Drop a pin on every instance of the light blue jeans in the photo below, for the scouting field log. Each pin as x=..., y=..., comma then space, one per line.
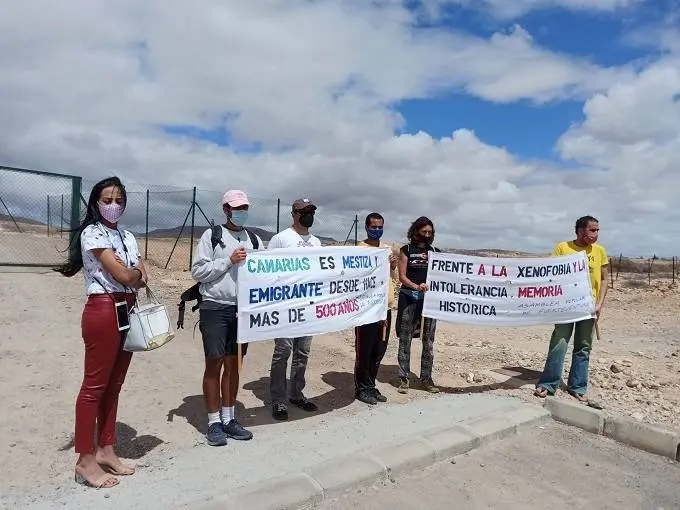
x=577, y=384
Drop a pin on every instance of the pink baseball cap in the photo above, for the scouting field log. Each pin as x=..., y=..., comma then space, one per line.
x=235, y=198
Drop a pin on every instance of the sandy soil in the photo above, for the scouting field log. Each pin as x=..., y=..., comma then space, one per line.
x=635, y=370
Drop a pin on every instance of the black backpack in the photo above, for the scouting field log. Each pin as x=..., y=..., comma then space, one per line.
x=193, y=293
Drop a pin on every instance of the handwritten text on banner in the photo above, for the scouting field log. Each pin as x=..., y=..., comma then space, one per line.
x=292, y=292
x=508, y=291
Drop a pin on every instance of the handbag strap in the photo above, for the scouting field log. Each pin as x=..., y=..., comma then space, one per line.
x=150, y=295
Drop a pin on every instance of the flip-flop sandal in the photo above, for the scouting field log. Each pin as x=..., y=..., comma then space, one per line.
x=101, y=482
x=124, y=471
x=585, y=400
x=541, y=393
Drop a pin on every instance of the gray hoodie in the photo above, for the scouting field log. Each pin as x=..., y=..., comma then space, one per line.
x=218, y=276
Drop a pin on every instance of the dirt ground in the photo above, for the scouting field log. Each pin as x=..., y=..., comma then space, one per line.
x=635, y=370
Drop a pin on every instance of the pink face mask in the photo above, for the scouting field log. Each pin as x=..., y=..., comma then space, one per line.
x=111, y=212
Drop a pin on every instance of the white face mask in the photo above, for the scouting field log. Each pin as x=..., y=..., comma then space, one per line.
x=111, y=212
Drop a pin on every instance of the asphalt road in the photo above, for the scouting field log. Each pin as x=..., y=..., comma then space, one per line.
x=552, y=467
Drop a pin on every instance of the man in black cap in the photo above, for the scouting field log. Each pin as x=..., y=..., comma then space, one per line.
x=295, y=236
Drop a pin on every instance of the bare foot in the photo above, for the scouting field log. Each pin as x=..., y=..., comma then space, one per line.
x=108, y=460
x=89, y=472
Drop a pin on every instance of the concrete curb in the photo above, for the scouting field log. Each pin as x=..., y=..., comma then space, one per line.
x=650, y=438
x=334, y=477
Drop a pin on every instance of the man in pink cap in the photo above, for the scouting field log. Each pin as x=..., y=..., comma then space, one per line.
x=215, y=267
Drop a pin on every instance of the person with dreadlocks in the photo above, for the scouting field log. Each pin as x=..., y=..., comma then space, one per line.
x=413, y=263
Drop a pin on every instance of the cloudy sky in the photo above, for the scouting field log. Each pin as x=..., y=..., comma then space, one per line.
x=502, y=120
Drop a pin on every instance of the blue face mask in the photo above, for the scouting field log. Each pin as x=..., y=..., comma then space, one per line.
x=239, y=218
x=374, y=233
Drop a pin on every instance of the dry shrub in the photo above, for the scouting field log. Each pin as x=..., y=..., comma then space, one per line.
x=635, y=266
x=637, y=283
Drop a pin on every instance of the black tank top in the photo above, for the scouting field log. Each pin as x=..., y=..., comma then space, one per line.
x=416, y=267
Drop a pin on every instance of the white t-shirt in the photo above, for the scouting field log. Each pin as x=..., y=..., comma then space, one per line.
x=124, y=245
x=290, y=239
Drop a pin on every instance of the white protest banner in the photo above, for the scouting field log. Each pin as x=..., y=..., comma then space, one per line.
x=508, y=291
x=292, y=292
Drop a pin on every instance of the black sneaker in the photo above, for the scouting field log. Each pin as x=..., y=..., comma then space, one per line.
x=403, y=385
x=367, y=397
x=234, y=430
x=216, y=435
x=279, y=412
x=379, y=396
x=304, y=404
x=429, y=385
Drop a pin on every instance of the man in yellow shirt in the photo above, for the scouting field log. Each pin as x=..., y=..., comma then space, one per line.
x=370, y=340
x=587, y=231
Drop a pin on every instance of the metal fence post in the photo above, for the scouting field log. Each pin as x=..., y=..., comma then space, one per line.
x=146, y=228
x=76, y=190
x=48, y=216
x=278, y=215
x=193, y=219
x=61, y=220
x=356, y=230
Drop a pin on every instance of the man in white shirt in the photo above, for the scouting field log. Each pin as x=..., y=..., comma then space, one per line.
x=216, y=268
x=295, y=236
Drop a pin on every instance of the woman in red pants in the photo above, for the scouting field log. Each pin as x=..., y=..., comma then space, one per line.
x=113, y=270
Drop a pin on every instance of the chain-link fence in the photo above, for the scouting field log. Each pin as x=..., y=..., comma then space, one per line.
x=168, y=224
x=166, y=221
x=33, y=225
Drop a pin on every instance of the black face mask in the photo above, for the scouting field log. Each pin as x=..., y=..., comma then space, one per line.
x=307, y=219
x=424, y=240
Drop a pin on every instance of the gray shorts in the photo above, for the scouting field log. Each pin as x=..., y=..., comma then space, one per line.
x=218, y=326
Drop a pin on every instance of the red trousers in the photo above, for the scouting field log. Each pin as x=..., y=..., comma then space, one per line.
x=106, y=364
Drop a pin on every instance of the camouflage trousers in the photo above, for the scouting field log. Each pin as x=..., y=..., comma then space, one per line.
x=409, y=318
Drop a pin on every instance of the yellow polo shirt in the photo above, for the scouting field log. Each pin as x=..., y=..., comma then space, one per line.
x=597, y=258
x=390, y=298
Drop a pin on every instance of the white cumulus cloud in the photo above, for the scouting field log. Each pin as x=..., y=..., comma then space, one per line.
x=88, y=89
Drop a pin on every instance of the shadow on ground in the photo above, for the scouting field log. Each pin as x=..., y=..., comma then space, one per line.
x=341, y=395
x=517, y=376
x=128, y=444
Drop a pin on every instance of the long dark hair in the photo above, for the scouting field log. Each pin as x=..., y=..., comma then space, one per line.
x=421, y=222
x=92, y=216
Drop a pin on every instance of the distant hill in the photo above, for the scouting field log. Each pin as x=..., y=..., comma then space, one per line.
x=493, y=252
x=265, y=235
x=20, y=220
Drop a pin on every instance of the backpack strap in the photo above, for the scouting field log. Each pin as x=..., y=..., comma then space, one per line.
x=216, y=237
x=253, y=239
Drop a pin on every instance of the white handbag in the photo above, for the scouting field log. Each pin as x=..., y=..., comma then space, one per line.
x=149, y=326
